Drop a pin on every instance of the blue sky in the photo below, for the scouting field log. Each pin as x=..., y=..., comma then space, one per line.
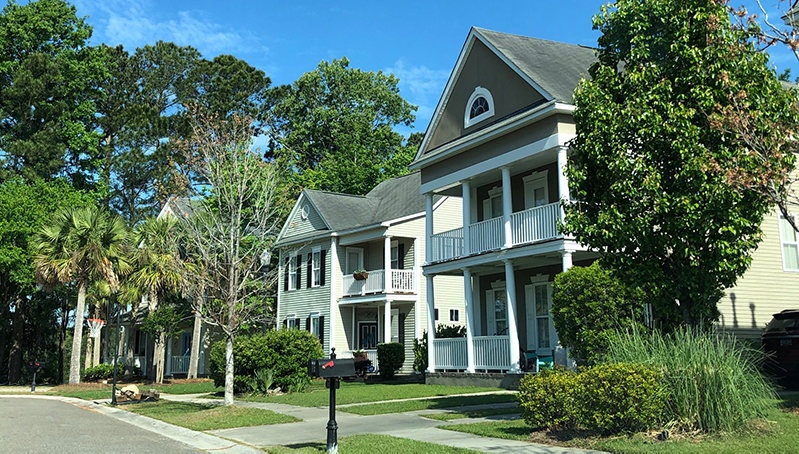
x=417, y=41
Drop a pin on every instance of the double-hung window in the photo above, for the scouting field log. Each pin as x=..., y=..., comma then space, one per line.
x=315, y=324
x=292, y=322
x=316, y=267
x=790, y=246
x=293, y=273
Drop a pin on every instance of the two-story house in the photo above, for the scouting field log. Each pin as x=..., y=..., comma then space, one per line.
x=498, y=142
x=328, y=237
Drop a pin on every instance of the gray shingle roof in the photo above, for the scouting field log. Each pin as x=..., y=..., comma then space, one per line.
x=555, y=67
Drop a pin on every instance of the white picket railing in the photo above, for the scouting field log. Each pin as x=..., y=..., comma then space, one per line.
x=180, y=364
x=535, y=224
x=403, y=281
x=491, y=352
x=138, y=361
x=485, y=235
x=450, y=353
x=371, y=354
x=446, y=245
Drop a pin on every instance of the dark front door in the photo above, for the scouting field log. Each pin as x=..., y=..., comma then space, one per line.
x=368, y=335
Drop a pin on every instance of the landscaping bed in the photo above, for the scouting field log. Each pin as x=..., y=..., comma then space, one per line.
x=95, y=391
x=208, y=416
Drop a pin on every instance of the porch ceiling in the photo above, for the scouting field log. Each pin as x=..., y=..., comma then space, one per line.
x=491, y=262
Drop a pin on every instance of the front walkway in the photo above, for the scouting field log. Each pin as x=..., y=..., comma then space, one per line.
x=410, y=425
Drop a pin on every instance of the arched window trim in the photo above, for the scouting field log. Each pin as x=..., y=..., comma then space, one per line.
x=478, y=92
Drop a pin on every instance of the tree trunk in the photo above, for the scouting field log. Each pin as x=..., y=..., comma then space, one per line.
x=160, y=349
x=77, y=337
x=62, y=339
x=87, y=359
x=194, y=360
x=4, y=327
x=17, y=334
x=229, y=369
x=130, y=331
x=96, y=353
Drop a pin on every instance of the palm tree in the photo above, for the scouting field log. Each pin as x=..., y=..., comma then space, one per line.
x=80, y=245
x=159, y=272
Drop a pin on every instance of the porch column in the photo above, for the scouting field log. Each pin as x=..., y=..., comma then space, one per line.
x=387, y=264
x=563, y=182
x=513, y=331
x=168, y=370
x=387, y=322
x=467, y=217
x=431, y=326
x=335, y=278
x=428, y=227
x=567, y=260
x=417, y=275
x=507, y=206
x=468, y=293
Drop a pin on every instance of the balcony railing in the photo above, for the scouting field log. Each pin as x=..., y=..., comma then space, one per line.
x=180, y=364
x=528, y=226
x=490, y=353
x=402, y=281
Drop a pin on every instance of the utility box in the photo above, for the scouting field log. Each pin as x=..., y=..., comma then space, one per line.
x=331, y=368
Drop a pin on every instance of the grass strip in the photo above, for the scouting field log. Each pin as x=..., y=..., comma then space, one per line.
x=95, y=391
x=449, y=416
x=428, y=404
x=208, y=416
x=316, y=395
x=369, y=444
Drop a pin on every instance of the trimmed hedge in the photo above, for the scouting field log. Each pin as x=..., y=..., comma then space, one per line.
x=546, y=398
x=286, y=352
x=390, y=358
x=103, y=372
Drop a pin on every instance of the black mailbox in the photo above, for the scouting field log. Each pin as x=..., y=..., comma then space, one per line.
x=331, y=368
x=36, y=365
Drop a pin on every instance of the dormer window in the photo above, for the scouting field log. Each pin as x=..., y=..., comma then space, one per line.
x=479, y=107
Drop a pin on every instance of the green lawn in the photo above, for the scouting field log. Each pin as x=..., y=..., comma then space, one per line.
x=370, y=443
x=413, y=405
x=474, y=413
x=316, y=395
x=208, y=416
x=95, y=391
x=779, y=433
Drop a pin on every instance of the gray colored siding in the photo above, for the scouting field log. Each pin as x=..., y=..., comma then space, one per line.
x=517, y=188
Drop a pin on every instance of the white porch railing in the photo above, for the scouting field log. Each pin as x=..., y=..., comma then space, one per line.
x=371, y=354
x=447, y=245
x=486, y=235
x=139, y=361
x=450, y=353
x=180, y=364
x=534, y=224
x=491, y=352
x=401, y=281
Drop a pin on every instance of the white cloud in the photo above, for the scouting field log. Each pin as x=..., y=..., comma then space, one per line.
x=421, y=86
x=135, y=23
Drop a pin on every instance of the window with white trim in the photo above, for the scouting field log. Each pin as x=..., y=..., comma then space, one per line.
x=790, y=246
x=492, y=206
x=395, y=255
x=479, y=107
x=292, y=272
x=292, y=322
x=316, y=267
x=315, y=324
x=454, y=315
x=436, y=313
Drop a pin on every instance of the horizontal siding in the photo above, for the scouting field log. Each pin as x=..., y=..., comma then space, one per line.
x=764, y=290
x=297, y=226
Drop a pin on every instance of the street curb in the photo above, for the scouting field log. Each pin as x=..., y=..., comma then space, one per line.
x=198, y=440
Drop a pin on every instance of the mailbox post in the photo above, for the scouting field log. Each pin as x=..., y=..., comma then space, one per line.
x=332, y=370
x=35, y=366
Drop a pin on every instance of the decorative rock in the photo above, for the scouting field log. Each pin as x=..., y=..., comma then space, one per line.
x=131, y=392
x=153, y=394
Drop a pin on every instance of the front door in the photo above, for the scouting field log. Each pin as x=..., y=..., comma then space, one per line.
x=367, y=339
x=497, y=312
x=541, y=335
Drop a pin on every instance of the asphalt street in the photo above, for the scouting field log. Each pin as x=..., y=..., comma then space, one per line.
x=31, y=425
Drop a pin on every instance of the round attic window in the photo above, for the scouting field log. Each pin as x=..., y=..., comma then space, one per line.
x=304, y=212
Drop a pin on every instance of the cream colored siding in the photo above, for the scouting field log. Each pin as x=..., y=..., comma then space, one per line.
x=764, y=290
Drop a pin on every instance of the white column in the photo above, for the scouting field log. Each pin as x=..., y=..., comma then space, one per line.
x=507, y=206
x=467, y=217
x=387, y=264
x=334, y=276
x=563, y=182
x=417, y=275
x=387, y=321
x=168, y=370
x=468, y=293
x=431, y=326
x=354, y=343
x=567, y=260
x=428, y=227
x=513, y=331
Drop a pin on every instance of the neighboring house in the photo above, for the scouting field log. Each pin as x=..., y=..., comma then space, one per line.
x=327, y=237
x=498, y=142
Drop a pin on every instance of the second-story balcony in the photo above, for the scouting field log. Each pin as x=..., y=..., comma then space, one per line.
x=528, y=226
x=399, y=281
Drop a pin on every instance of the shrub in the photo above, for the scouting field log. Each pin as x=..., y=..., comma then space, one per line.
x=613, y=398
x=712, y=381
x=390, y=358
x=420, y=345
x=285, y=352
x=588, y=304
x=103, y=372
x=546, y=398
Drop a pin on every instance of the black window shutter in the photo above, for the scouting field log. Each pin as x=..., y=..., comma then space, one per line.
x=298, y=283
x=400, y=256
x=286, y=275
x=309, y=271
x=322, y=268
x=286, y=323
x=401, y=326
x=322, y=330
x=308, y=324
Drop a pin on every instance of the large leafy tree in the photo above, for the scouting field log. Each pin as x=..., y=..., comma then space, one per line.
x=333, y=128
x=649, y=168
x=80, y=246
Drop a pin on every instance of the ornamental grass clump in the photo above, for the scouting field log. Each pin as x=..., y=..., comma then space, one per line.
x=712, y=381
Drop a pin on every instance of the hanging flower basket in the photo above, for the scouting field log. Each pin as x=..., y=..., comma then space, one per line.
x=360, y=275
